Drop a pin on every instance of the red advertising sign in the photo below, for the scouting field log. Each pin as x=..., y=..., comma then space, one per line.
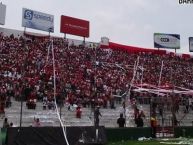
x=74, y=26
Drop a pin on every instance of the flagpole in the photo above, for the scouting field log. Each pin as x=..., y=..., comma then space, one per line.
x=142, y=77
x=159, y=82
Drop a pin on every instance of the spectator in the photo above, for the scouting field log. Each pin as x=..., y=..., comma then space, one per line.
x=153, y=126
x=36, y=122
x=139, y=121
x=11, y=124
x=78, y=112
x=45, y=102
x=5, y=123
x=121, y=121
x=96, y=116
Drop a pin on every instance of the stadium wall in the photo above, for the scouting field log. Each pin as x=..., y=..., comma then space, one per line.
x=183, y=131
x=119, y=134
x=3, y=133
x=133, y=133
x=8, y=32
x=113, y=134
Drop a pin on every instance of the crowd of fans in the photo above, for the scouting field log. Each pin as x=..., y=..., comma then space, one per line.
x=85, y=76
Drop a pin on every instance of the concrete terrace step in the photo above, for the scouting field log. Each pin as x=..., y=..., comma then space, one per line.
x=109, y=116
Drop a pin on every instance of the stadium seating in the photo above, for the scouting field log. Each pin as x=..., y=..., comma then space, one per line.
x=84, y=76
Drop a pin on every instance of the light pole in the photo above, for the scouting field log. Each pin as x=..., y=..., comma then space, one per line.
x=23, y=93
x=21, y=108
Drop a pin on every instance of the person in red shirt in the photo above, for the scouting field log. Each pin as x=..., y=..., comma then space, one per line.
x=78, y=112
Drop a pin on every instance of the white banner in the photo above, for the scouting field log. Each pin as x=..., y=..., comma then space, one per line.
x=2, y=14
x=166, y=40
x=37, y=20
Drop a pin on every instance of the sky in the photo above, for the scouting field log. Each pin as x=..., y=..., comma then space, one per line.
x=129, y=22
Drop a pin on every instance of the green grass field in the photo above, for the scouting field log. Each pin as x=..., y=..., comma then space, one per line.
x=151, y=142
x=135, y=143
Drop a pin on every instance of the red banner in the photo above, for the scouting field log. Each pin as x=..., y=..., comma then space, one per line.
x=74, y=26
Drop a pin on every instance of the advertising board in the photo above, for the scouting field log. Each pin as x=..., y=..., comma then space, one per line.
x=37, y=20
x=74, y=26
x=171, y=41
x=2, y=14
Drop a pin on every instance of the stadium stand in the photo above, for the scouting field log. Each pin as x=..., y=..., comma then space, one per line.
x=90, y=76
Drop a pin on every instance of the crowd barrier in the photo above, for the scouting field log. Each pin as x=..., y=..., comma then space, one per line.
x=133, y=133
x=76, y=135
x=123, y=134
x=183, y=131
